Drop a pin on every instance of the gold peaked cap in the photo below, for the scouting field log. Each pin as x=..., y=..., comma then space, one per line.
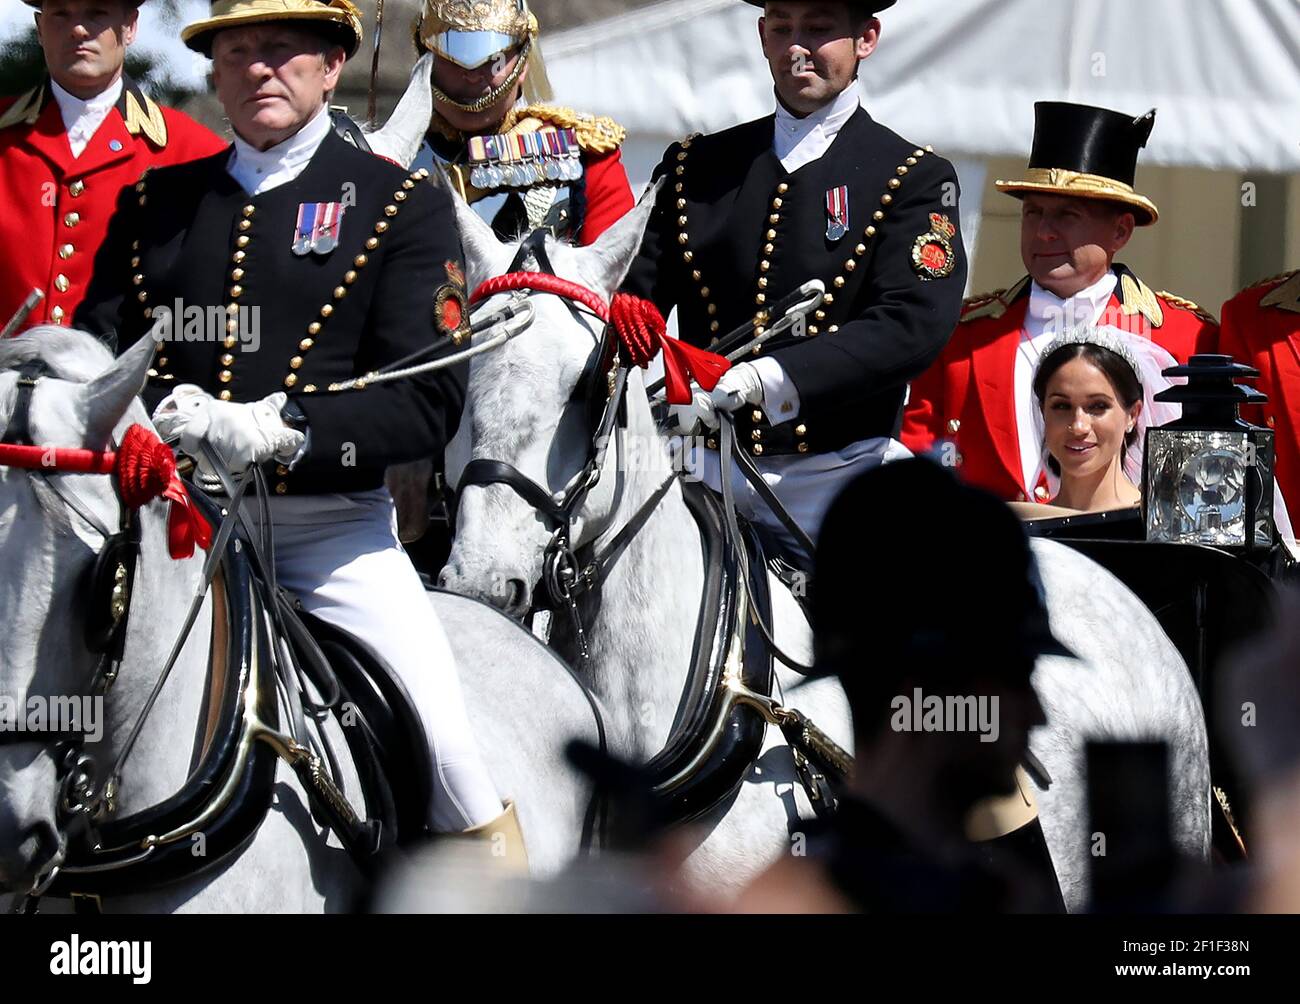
x=340, y=17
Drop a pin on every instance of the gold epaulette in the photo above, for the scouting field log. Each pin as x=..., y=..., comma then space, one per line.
x=993, y=304
x=596, y=133
x=1195, y=308
x=148, y=120
x=25, y=109
x=1280, y=277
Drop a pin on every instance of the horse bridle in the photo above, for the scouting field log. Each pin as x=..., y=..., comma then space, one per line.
x=81, y=801
x=109, y=584
x=563, y=576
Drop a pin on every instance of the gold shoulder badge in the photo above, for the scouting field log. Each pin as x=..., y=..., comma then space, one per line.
x=1139, y=298
x=933, y=256
x=25, y=109
x=148, y=120
x=1286, y=296
x=449, y=311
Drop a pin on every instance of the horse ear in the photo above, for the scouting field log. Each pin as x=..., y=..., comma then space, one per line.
x=478, y=241
x=400, y=137
x=109, y=395
x=606, y=262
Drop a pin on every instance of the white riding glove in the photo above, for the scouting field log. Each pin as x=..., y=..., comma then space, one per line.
x=685, y=418
x=243, y=434
x=177, y=408
x=739, y=386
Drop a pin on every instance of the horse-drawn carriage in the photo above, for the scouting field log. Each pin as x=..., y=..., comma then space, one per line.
x=1204, y=554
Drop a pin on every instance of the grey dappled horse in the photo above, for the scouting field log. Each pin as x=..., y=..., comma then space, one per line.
x=524, y=706
x=1129, y=683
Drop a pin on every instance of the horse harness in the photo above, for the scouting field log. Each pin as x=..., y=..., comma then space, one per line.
x=107, y=591
x=726, y=686
x=228, y=793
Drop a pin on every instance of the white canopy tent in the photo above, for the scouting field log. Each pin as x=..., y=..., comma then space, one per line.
x=963, y=75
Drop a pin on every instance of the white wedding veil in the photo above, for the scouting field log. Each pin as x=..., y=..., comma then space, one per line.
x=1148, y=361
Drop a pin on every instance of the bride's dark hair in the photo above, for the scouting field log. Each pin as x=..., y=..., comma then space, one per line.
x=1117, y=370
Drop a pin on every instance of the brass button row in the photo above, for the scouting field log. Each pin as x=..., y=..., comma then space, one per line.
x=237, y=275
x=684, y=238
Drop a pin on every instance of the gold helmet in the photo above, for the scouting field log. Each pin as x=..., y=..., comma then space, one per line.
x=469, y=33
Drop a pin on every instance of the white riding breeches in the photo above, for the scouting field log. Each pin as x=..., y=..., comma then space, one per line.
x=339, y=554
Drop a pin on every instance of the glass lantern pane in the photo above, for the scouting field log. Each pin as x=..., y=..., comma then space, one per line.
x=1196, y=486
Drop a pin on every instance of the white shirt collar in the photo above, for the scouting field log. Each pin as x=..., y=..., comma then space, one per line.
x=82, y=118
x=1049, y=311
x=258, y=171
x=798, y=141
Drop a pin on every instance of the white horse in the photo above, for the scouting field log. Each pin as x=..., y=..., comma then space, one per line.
x=521, y=700
x=520, y=410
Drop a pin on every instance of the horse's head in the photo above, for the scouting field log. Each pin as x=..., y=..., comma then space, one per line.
x=84, y=399
x=534, y=404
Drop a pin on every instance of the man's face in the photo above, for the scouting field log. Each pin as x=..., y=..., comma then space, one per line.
x=272, y=79
x=467, y=86
x=1068, y=244
x=85, y=42
x=813, y=50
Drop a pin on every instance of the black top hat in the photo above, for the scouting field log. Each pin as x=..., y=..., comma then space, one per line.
x=1087, y=152
x=871, y=6
x=914, y=566
x=37, y=3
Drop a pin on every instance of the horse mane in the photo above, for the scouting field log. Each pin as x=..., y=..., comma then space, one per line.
x=72, y=355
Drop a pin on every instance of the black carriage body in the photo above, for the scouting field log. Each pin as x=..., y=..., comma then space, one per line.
x=1208, y=601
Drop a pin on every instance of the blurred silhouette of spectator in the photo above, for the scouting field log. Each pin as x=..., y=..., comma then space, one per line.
x=926, y=588
x=1259, y=715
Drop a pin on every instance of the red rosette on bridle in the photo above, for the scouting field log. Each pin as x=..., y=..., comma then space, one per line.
x=146, y=470
x=642, y=333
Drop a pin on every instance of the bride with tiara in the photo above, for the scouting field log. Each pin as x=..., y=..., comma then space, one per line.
x=1096, y=389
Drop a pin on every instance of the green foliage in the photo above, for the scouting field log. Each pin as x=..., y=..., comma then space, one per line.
x=22, y=66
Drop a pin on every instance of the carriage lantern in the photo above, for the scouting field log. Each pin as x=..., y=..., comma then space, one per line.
x=1209, y=475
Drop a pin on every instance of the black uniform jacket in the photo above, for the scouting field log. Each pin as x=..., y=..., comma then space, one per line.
x=733, y=232
x=249, y=316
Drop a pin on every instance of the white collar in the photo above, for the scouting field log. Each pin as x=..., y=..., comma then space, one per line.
x=1084, y=307
x=282, y=162
x=72, y=108
x=829, y=117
